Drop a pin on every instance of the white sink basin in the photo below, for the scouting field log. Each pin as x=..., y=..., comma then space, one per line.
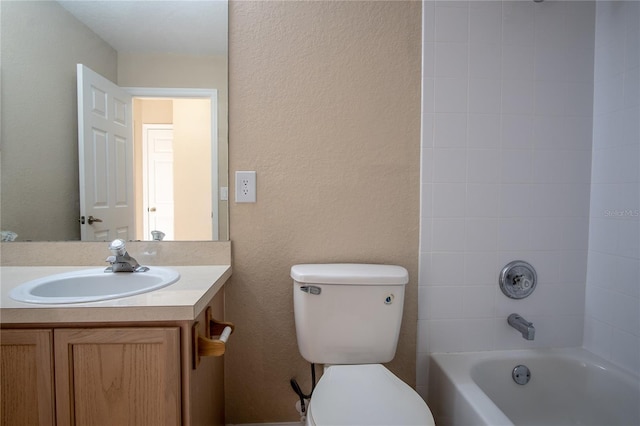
x=92, y=285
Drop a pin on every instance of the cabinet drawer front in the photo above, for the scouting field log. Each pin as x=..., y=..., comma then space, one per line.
x=118, y=376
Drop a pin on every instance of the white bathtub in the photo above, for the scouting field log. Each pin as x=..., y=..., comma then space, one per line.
x=568, y=387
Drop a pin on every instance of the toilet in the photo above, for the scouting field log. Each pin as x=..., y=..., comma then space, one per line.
x=348, y=318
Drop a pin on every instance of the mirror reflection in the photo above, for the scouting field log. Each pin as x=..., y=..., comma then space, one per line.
x=171, y=57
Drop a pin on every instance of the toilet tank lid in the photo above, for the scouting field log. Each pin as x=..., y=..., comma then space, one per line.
x=350, y=274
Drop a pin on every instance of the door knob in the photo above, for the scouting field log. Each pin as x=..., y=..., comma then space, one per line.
x=92, y=219
x=152, y=209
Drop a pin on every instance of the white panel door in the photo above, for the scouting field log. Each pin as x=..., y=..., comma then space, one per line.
x=158, y=179
x=105, y=147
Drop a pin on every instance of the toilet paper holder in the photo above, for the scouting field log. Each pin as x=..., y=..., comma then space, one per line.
x=213, y=343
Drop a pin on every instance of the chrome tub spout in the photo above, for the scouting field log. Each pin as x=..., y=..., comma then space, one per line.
x=525, y=327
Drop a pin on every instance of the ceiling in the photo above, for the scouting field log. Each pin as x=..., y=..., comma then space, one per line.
x=197, y=27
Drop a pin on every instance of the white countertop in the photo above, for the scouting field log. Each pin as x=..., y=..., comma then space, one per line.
x=180, y=301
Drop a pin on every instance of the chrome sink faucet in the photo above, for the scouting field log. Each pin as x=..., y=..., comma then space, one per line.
x=525, y=327
x=121, y=261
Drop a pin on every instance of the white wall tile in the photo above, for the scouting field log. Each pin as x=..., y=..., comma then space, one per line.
x=514, y=234
x=625, y=350
x=574, y=268
x=632, y=87
x=448, y=235
x=449, y=199
x=485, y=61
x=422, y=342
x=426, y=201
x=452, y=23
x=550, y=24
x=577, y=133
x=603, y=235
x=598, y=337
x=549, y=131
x=428, y=96
x=448, y=165
x=517, y=97
x=518, y=200
x=517, y=61
x=485, y=96
x=428, y=21
x=483, y=200
x=608, y=94
x=483, y=165
x=455, y=335
x=579, y=98
x=517, y=131
x=609, y=60
x=445, y=269
x=518, y=22
x=516, y=166
x=632, y=36
x=579, y=23
x=480, y=268
x=478, y=302
x=442, y=302
x=451, y=60
x=550, y=97
x=481, y=234
x=550, y=62
x=485, y=22
x=429, y=60
x=450, y=130
x=451, y=95
x=546, y=233
x=627, y=315
x=631, y=126
x=483, y=131
x=628, y=239
x=580, y=64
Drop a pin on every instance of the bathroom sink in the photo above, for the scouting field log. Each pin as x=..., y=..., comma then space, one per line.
x=92, y=285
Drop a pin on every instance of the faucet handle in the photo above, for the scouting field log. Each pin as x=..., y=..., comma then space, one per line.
x=117, y=247
x=110, y=259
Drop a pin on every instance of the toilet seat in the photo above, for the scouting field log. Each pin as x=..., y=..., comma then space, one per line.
x=366, y=394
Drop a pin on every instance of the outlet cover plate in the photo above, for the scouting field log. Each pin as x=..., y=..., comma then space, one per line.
x=245, y=186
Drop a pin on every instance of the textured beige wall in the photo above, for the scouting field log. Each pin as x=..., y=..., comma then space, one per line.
x=192, y=168
x=41, y=44
x=325, y=106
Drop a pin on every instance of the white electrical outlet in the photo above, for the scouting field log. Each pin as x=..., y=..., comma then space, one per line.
x=245, y=187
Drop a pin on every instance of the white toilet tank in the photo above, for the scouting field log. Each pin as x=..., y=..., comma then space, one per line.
x=348, y=313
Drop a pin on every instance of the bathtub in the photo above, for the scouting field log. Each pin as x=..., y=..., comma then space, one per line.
x=567, y=387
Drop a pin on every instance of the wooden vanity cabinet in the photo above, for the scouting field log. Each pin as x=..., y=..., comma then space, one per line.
x=110, y=374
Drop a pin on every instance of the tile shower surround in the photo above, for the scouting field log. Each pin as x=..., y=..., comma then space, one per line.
x=508, y=123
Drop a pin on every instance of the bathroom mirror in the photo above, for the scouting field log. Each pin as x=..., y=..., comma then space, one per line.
x=167, y=52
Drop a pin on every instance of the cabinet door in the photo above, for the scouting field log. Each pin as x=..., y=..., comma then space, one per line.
x=118, y=376
x=26, y=373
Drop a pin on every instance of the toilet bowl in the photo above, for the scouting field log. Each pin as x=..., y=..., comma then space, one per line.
x=367, y=394
x=348, y=317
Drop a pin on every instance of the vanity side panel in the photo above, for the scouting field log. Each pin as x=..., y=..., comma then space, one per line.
x=26, y=374
x=206, y=381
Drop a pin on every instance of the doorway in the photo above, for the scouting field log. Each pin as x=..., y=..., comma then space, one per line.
x=157, y=180
x=191, y=172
